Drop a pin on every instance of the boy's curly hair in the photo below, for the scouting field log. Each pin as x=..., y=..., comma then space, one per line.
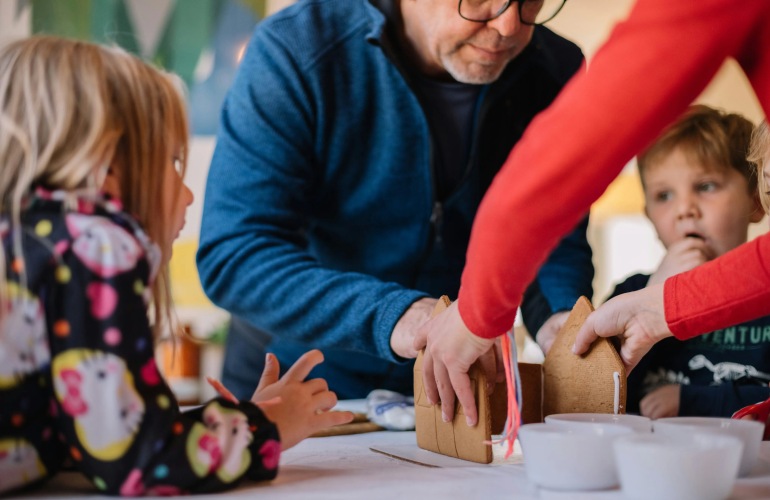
x=709, y=137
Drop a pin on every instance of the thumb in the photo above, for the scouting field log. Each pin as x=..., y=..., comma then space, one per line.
x=420, y=339
x=630, y=354
x=585, y=337
x=271, y=372
x=262, y=405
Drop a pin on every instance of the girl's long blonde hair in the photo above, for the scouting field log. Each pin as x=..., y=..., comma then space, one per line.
x=71, y=109
x=759, y=154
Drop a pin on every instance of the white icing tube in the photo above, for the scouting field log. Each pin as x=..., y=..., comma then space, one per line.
x=616, y=400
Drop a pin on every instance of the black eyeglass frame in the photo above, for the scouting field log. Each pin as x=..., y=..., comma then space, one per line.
x=504, y=8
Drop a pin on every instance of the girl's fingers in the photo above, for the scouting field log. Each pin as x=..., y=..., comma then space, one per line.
x=324, y=401
x=332, y=418
x=317, y=385
x=271, y=373
x=301, y=369
x=222, y=390
x=269, y=402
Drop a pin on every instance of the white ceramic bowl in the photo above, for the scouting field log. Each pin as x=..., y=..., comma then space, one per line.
x=748, y=431
x=636, y=422
x=688, y=466
x=560, y=457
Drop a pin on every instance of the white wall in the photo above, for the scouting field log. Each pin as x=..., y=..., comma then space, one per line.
x=201, y=150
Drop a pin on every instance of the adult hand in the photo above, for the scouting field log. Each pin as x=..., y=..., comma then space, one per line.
x=682, y=256
x=297, y=407
x=637, y=317
x=450, y=350
x=550, y=329
x=662, y=402
x=402, y=338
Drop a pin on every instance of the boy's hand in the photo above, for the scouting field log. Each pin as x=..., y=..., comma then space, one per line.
x=662, y=402
x=682, y=256
x=298, y=407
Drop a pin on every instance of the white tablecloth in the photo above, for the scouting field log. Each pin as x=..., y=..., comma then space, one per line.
x=344, y=467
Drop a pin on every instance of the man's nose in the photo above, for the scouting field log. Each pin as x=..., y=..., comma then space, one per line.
x=508, y=23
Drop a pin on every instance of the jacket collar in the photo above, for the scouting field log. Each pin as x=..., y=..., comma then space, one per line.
x=380, y=13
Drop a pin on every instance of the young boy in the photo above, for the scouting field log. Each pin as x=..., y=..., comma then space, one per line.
x=700, y=194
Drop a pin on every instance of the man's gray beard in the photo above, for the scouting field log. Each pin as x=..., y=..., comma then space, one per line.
x=464, y=75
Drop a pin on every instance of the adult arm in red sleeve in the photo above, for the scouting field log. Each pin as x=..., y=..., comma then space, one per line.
x=653, y=66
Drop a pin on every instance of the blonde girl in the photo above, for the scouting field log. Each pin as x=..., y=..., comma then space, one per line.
x=93, y=147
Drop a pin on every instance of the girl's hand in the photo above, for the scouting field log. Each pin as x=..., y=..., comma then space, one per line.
x=297, y=406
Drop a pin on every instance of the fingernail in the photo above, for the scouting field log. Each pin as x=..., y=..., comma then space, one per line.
x=574, y=349
x=469, y=421
x=444, y=417
x=268, y=359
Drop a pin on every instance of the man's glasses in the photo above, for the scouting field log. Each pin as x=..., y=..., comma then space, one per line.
x=531, y=12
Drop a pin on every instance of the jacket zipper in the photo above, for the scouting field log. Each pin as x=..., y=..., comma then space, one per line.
x=437, y=221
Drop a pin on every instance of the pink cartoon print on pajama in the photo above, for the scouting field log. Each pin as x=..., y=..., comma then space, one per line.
x=19, y=462
x=226, y=436
x=104, y=247
x=105, y=426
x=25, y=351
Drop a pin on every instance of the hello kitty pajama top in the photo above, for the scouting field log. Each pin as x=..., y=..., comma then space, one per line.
x=78, y=380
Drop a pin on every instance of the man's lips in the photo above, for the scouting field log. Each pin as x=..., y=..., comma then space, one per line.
x=492, y=51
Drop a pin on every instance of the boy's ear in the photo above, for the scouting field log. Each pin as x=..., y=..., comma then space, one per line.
x=758, y=212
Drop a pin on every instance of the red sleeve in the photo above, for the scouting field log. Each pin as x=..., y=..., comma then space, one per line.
x=724, y=292
x=653, y=66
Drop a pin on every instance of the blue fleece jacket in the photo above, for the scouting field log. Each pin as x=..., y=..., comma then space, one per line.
x=320, y=223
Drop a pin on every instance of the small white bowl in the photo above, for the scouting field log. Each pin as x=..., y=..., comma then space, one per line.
x=635, y=422
x=685, y=467
x=748, y=431
x=560, y=457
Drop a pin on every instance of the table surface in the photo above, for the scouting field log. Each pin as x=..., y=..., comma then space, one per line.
x=344, y=467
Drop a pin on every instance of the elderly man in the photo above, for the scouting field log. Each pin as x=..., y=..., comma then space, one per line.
x=355, y=146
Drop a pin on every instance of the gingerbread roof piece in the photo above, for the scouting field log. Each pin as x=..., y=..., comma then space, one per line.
x=594, y=382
